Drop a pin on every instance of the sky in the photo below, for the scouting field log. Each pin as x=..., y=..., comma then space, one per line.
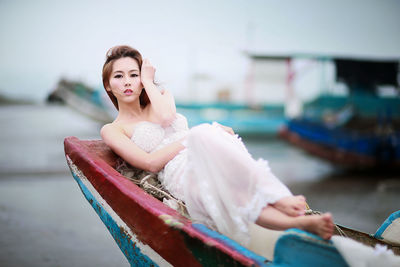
x=42, y=41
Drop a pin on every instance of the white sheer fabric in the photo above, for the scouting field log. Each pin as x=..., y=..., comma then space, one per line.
x=221, y=184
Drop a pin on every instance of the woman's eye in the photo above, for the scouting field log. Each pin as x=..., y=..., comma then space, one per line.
x=118, y=76
x=134, y=75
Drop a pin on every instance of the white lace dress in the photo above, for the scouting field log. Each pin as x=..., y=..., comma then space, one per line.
x=222, y=185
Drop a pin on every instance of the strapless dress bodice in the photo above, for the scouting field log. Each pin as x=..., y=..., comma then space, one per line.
x=151, y=136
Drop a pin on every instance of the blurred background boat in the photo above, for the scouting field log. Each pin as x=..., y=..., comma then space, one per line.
x=358, y=130
x=81, y=98
x=244, y=119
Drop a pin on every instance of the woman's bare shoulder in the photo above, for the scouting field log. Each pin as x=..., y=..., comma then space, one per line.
x=111, y=129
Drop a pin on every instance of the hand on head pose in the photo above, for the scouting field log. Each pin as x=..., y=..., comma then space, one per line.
x=147, y=72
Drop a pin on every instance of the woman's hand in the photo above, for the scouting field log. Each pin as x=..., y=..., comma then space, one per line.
x=162, y=103
x=226, y=128
x=147, y=72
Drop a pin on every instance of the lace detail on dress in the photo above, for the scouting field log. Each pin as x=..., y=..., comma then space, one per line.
x=180, y=123
x=176, y=131
x=172, y=174
x=151, y=136
x=148, y=135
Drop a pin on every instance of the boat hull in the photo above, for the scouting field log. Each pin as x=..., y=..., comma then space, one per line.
x=346, y=149
x=150, y=233
x=149, y=223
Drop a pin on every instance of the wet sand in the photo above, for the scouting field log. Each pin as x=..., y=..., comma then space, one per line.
x=46, y=221
x=44, y=218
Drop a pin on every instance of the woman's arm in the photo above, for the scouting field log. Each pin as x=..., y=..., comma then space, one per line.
x=162, y=102
x=131, y=153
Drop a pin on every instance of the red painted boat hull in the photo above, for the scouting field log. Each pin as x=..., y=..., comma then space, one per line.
x=179, y=242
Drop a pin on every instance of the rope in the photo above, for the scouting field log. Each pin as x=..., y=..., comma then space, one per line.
x=136, y=176
x=340, y=231
x=145, y=183
x=148, y=185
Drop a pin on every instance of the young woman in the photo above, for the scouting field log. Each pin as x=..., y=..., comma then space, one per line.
x=208, y=167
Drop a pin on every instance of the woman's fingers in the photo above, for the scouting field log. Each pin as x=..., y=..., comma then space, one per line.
x=146, y=63
x=228, y=130
x=147, y=71
x=225, y=128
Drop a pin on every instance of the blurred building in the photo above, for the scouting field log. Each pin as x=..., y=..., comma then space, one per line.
x=295, y=79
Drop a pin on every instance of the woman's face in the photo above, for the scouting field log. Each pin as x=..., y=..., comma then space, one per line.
x=125, y=81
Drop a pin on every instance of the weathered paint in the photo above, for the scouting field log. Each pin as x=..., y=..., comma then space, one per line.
x=303, y=249
x=259, y=260
x=125, y=239
x=387, y=231
x=169, y=220
x=366, y=239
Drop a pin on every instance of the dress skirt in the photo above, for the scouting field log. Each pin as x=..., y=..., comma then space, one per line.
x=222, y=185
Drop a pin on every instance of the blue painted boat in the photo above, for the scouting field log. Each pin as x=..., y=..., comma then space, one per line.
x=150, y=233
x=360, y=131
x=343, y=146
x=244, y=119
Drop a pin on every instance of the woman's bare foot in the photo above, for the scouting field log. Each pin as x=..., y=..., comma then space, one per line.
x=321, y=225
x=291, y=205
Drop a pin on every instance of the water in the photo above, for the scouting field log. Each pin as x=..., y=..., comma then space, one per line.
x=46, y=221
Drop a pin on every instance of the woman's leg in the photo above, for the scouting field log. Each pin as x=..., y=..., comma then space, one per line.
x=291, y=205
x=274, y=219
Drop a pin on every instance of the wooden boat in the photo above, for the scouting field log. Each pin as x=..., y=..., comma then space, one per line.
x=362, y=131
x=149, y=233
x=346, y=147
x=245, y=119
x=82, y=99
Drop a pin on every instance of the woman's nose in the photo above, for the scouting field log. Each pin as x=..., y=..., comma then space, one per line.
x=127, y=81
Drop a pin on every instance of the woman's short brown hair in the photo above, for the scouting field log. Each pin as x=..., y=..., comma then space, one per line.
x=112, y=55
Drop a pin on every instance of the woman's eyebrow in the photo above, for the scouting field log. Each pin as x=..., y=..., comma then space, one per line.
x=120, y=71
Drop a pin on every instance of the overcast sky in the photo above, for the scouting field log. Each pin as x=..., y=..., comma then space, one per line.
x=42, y=41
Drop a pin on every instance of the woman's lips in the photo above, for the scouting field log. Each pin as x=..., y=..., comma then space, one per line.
x=128, y=92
